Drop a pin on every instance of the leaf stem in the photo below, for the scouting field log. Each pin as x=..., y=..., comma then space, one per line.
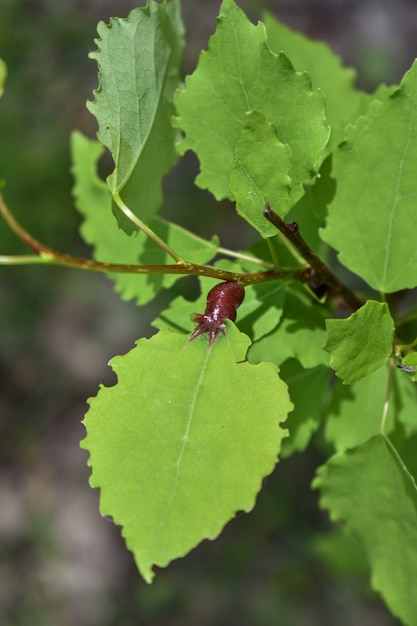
x=388, y=394
x=320, y=271
x=162, y=244
x=244, y=257
x=273, y=253
x=148, y=231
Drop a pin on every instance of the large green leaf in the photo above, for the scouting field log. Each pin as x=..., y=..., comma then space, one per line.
x=138, y=60
x=259, y=173
x=343, y=100
x=237, y=75
x=183, y=440
x=371, y=220
x=112, y=245
x=360, y=344
x=371, y=490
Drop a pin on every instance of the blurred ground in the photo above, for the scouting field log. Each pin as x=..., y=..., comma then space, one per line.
x=60, y=562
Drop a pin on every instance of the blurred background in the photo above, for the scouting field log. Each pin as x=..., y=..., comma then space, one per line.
x=60, y=562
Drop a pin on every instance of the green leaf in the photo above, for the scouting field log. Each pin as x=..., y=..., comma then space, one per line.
x=3, y=76
x=371, y=220
x=406, y=448
x=300, y=334
x=259, y=173
x=360, y=344
x=307, y=389
x=317, y=197
x=371, y=491
x=178, y=315
x=138, y=60
x=262, y=308
x=410, y=360
x=183, y=441
x=237, y=75
x=112, y=245
x=405, y=401
x=355, y=412
x=343, y=100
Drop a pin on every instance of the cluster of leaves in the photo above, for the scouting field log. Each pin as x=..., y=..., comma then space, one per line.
x=184, y=439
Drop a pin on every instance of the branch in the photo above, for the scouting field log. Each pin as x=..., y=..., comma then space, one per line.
x=320, y=272
x=48, y=256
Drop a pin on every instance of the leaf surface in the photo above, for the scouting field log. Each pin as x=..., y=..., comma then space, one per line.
x=183, y=440
x=343, y=100
x=355, y=412
x=237, y=75
x=405, y=399
x=410, y=361
x=298, y=335
x=112, y=245
x=138, y=59
x=259, y=173
x=307, y=388
x=262, y=308
x=372, y=492
x=360, y=344
x=371, y=219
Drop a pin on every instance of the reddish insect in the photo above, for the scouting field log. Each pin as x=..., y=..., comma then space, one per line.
x=222, y=302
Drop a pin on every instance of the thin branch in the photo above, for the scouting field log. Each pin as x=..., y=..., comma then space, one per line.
x=321, y=272
x=46, y=255
x=187, y=269
x=23, y=259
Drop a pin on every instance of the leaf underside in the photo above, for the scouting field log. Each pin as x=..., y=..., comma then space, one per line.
x=138, y=59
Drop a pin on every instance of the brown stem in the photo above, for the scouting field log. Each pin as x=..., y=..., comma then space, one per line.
x=322, y=273
x=190, y=269
x=48, y=255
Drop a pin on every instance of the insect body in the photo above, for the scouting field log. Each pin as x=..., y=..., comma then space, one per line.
x=222, y=302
